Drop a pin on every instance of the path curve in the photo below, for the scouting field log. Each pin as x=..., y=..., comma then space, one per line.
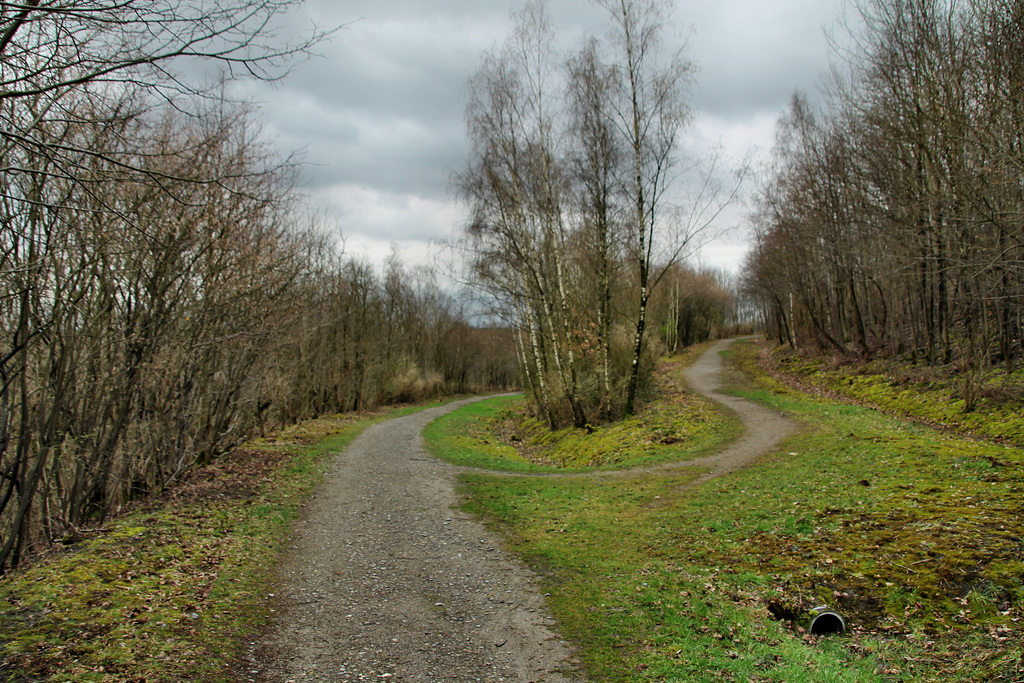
x=385, y=581
x=764, y=428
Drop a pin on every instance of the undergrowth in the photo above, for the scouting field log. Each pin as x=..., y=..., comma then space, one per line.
x=911, y=533
x=169, y=591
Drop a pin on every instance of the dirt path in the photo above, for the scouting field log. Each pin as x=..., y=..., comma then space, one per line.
x=386, y=582
x=764, y=428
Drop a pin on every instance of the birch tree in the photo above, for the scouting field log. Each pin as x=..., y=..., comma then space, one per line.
x=597, y=157
x=516, y=186
x=649, y=111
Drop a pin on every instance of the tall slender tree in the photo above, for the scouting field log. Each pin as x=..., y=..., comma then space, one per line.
x=649, y=110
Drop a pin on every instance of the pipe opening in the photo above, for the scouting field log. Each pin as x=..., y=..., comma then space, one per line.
x=827, y=623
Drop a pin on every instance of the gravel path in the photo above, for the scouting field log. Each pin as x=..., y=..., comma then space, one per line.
x=385, y=581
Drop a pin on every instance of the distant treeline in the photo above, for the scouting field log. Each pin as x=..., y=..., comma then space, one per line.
x=892, y=223
x=162, y=298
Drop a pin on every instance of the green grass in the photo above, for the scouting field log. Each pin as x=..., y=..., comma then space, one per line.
x=912, y=534
x=498, y=435
x=933, y=395
x=462, y=437
x=172, y=591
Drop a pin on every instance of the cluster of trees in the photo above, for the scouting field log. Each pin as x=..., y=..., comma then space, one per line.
x=161, y=298
x=573, y=224
x=891, y=223
x=358, y=340
x=694, y=306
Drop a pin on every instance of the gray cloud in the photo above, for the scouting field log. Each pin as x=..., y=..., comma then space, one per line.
x=752, y=55
x=380, y=113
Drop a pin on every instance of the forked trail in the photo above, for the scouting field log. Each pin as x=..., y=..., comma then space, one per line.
x=386, y=581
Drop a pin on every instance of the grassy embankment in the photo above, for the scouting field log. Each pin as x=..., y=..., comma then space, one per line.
x=932, y=395
x=494, y=435
x=914, y=535
x=171, y=591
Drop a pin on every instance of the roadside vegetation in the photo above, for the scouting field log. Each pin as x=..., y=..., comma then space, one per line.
x=171, y=590
x=887, y=224
x=911, y=533
x=166, y=291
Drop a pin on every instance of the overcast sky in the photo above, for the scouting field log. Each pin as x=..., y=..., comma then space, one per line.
x=378, y=117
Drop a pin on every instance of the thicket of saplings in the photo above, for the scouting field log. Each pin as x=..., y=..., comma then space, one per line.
x=890, y=225
x=162, y=299
x=152, y=322
x=161, y=296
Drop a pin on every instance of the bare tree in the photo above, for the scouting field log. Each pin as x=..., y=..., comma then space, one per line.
x=96, y=268
x=83, y=61
x=597, y=159
x=517, y=187
x=574, y=210
x=892, y=223
x=649, y=111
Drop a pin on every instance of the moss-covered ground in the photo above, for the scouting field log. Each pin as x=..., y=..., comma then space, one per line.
x=912, y=534
x=172, y=590
x=988, y=403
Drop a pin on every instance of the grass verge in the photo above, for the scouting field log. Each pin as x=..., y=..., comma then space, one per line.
x=911, y=533
x=170, y=591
